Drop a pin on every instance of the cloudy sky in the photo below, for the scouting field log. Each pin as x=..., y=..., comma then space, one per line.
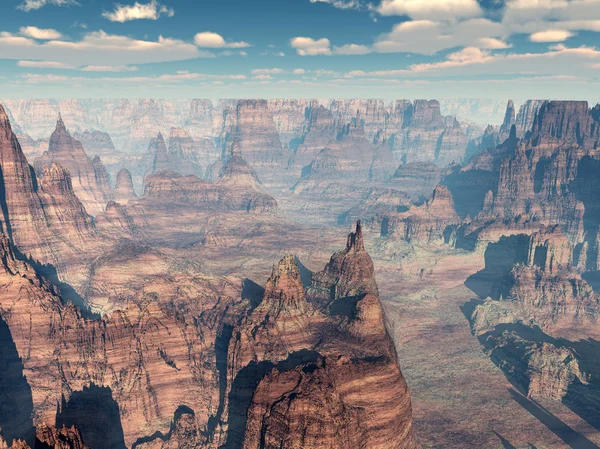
x=300, y=48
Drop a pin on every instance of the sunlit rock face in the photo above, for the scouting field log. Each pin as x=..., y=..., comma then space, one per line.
x=89, y=177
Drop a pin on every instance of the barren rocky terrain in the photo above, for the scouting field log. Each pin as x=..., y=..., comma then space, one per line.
x=298, y=274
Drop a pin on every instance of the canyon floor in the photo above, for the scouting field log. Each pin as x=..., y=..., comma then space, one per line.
x=460, y=398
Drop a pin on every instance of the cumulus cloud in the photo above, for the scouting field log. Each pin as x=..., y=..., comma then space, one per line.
x=428, y=9
x=29, y=5
x=560, y=62
x=306, y=46
x=352, y=49
x=209, y=39
x=551, y=36
x=39, y=33
x=138, y=11
x=429, y=37
x=99, y=48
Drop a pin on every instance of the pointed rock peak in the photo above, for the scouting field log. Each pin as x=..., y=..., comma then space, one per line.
x=285, y=283
x=4, y=121
x=160, y=138
x=355, y=240
x=60, y=125
x=96, y=161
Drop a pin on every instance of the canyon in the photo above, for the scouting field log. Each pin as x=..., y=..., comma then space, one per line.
x=168, y=280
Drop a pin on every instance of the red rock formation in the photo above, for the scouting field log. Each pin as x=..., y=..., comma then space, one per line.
x=63, y=438
x=427, y=223
x=509, y=118
x=161, y=156
x=90, y=180
x=187, y=156
x=299, y=366
x=124, y=187
x=254, y=131
x=43, y=219
x=237, y=188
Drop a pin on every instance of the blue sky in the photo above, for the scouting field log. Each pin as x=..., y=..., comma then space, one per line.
x=300, y=48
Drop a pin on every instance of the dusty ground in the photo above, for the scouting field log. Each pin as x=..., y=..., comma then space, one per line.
x=460, y=398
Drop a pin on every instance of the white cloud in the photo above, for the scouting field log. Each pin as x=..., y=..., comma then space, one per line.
x=44, y=65
x=428, y=9
x=99, y=48
x=39, y=33
x=275, y=71
x=341, y=4
x=352, y=49
x=429, y=37
x=29, y=5
x=209, y=39
x=137, y=11
x=108, y=68
x=306, y=46
x=551, y=36
x=298, y=71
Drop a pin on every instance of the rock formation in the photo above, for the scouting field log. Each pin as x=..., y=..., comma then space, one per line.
x=237, y=188
x=44, y=218
x=254, y=131
x=428, y=223
x=185, y=361
x=124, y=187
x=186, y=156
x=90, y=180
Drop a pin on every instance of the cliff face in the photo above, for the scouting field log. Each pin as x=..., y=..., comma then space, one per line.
x=236, y=188
x=186, y=362
x=90, y=180
x=124, y=187
x=254, y=131
x=427, y=223
x=187, y=156
x=295, y=374
x=42, y=218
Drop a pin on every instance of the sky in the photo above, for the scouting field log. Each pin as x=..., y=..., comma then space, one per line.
x=386, y=49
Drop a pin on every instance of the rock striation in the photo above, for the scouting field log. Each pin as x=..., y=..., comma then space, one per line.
x=237, y=188
x=42, y=217
x=90, y=179
x=124, y=187
x=293, y=376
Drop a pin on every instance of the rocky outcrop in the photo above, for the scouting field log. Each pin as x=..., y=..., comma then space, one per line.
x=289, y=116
x=44, y=218
x=509, y=118
x=430, y=223
x=526, y=116
x=90, y=180
x=185, y=156
x=237, y=188
x=200, y=120
x=95, y=142
x=124, y=187
x=161, y=156
x=374, y=210
x=566, y=123
x=320, y=130
x=298, y=384
x=254, y=131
